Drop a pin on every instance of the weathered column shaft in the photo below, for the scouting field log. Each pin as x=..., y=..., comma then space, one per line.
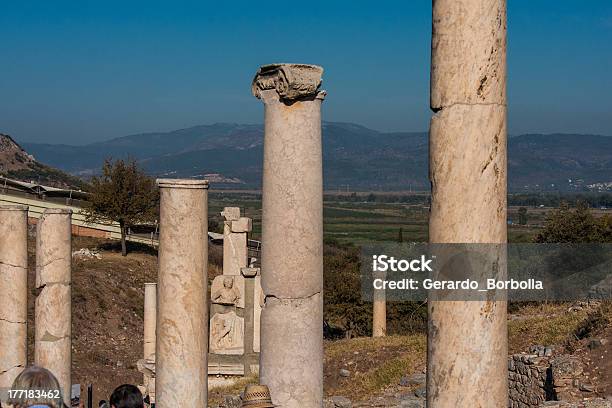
x=52, y=335
x=13, y=292
x=182, y=315
x=379, y=313
x=150, y=320
x=467, y=342
x=291, y=360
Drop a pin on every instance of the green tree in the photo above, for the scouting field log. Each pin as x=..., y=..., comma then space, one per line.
x=122, y=194
x=566, y=225
x=522, y=214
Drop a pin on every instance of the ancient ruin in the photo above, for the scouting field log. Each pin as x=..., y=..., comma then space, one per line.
x=13, y=292
x=53, y=318
x=150, y=321
x=181, y=339
x=291, y=361
x=234, y=330
x=468, y=178
x=379, y=310
x=235, y=230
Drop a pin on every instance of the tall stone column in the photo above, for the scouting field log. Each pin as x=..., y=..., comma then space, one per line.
x=13, y=292
x=467, y=342
x=291, y=360
x=150, y=322
x=52, y=335
x=181, y=372
x=150, y=319
x=379, y=310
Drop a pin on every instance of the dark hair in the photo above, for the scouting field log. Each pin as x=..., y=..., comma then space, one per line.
x=126, y=396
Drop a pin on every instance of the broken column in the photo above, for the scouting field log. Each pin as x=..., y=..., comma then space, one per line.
x=52, y=335
x=181, y=368
x=379, y=310
x=150, y=319
x=291, y=361
x=468, y=179
x=235, y=230
x=13, y=292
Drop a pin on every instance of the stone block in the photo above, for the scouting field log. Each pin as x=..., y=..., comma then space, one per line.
x=227, y=334
x=243, y=224
x=231, y=213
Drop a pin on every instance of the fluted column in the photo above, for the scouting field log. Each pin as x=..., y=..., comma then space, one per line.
x=291, y=360
x=181, y=371
x=13, y=292
x=467, y=342
x=52, y=334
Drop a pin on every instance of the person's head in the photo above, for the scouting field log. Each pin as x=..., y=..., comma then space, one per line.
x=228, y=283
x=126, y=396
x=37, y=378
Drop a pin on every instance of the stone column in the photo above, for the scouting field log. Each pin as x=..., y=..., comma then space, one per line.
x=379, y=311
x=291, y=360
x=182, y=331
x=467, y=342
x=52, y=335
x=150, y=319
x=13, y=292
x=235, y=229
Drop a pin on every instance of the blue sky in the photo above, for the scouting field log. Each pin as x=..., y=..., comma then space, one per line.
x=82, y=71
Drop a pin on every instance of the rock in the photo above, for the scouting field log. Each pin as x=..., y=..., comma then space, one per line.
x=85, y=253
x=412, y=402
x=341, y=402
x=587, y=387
x=421, y=392
x=344, y=373
x=566, y=366
x=414, y=379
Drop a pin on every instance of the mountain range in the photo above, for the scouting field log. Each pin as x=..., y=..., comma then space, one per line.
x=355, y=157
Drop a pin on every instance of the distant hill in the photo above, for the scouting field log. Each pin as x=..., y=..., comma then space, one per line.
x=16, y=163
x=354, y=156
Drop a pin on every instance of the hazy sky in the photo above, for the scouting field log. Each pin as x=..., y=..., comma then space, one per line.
x=81, y=71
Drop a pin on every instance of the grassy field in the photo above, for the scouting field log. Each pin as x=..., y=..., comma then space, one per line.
x=362, y=222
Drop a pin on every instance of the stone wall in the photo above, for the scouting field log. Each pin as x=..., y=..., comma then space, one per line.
x=546, y=380
x=529, y=380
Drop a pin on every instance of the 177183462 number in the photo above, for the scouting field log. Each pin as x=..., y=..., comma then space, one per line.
x=33, y=394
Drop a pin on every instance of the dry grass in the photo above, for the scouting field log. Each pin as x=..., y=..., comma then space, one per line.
x=544, y=324
x=375, y=363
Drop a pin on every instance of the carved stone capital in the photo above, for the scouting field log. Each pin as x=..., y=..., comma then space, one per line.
x=291, y=81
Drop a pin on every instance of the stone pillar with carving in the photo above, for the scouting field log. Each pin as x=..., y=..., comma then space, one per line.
x=235, y=230
x=467, y=342
x=291, y=361
x=13, y=292
x=53, y=318
x=181, y=365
